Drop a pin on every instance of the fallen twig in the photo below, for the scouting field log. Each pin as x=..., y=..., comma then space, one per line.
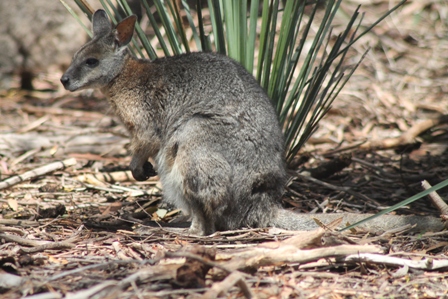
x=36, y=245
x=49, y=246
x=34, y=124
x=436, y=200
x=37, y=172
x=197, y=258
x=112, y=177
x=258, y=257
x=221, y=288
x=19, y=222
x=98, y=290
x=407, y=137
x=22, y=241
x=424, y=264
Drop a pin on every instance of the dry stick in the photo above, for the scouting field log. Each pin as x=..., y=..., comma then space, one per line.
x=221, y=288
x=436, y=200
x=22, y=241
x=96, y=291
x=111, y=177
x=37, y=172
x=407, y=137
x=197, y=258
x=120, y=253
x=49, y=295
x=90, y=267
x=218, y=288
x=19, y=222
x=165, y=271
x=49, y=246
x=34, y=124
x=259, y=257
x=25, y=156
x=16, y=230
x=37, y=245
x=425, y=264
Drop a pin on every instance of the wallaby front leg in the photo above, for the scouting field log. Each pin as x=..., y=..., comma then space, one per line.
x=140, y=167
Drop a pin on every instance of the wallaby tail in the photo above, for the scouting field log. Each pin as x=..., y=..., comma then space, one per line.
x=289, y=220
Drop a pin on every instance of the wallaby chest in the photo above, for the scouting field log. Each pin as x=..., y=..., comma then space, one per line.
x=133, y=95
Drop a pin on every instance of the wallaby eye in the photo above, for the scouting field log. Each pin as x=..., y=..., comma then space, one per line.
x=92, y=62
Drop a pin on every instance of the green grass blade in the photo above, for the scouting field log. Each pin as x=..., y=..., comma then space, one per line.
x=157, y=32
x=284, y=44
x=73, y=13
x=109, y=8
x=268, y=54
x=141, y=35
x=292, y=100
x=266, y=18
x=252, y=35
x=293, y=115
x=205, y=42
x=172, y=5
x=230, y=28
x=170, y=32
x=375, y=23
x=196, y=37
x=85, y=7
x=217, y=25
x=115, y=13
x=292, y=55
x=242, y=33
x=110, y=13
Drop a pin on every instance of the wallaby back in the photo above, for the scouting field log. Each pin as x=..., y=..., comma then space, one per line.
x=206, y=122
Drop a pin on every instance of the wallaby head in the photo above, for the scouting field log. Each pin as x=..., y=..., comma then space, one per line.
x=101, y=59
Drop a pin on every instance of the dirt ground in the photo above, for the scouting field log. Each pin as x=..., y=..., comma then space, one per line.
x=77, y=225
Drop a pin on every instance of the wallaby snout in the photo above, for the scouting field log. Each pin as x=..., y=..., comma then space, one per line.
x=68, y=80
x=100, y=60
x=65, y=80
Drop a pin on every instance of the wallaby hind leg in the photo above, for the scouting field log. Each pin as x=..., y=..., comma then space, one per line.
x=201, y=225
x=206, y=182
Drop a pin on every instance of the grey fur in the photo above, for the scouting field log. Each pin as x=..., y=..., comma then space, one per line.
x=210, y=128
x=202, y=117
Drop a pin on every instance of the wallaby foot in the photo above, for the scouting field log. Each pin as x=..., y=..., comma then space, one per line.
x=199, y=226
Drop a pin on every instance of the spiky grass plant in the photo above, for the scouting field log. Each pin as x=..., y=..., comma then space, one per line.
x=301, y=74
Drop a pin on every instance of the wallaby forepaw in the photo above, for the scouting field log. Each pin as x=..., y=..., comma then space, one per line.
x=143, y=173
x=149, y=170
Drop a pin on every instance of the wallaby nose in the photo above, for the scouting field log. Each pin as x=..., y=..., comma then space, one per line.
x=65, y=80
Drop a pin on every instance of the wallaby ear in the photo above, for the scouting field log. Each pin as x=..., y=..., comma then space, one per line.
x=125, y=30
x=101, y=23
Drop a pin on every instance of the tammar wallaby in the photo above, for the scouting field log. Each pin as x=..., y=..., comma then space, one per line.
x=208, y=125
